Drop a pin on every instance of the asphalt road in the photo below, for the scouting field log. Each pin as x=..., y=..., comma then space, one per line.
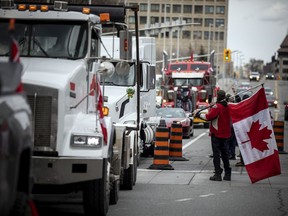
x=187, y=190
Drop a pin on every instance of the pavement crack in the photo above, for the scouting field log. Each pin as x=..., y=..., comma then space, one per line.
x=281, y=207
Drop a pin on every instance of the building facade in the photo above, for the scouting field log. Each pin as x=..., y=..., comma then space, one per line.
x=283, y=59
x=183, y=27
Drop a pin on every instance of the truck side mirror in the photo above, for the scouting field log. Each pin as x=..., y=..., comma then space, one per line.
x=151, y=77
x=106, y=69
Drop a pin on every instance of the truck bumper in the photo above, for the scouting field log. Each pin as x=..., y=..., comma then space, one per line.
x=65, y=170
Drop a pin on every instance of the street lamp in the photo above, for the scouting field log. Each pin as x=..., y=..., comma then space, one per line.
x=210, y=24
x=218, y=45
x=165, y=20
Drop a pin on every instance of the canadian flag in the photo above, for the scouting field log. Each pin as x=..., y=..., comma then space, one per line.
x=95, y=87
x=14, y=50
x=252, y=125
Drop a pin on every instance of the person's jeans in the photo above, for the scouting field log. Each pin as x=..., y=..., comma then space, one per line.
x=220, y=151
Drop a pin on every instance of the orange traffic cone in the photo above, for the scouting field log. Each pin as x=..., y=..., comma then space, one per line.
x=278, y=128
x=161, y=150
x=175, y=148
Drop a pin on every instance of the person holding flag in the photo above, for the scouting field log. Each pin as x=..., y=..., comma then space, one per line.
x=254, y=133
x=220, y=132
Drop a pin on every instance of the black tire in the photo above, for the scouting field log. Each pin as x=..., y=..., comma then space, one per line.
x=20, y=206
x=114, y=193
x=135, y=162
x=96, y=195
x=206, y=125
x=128, y=177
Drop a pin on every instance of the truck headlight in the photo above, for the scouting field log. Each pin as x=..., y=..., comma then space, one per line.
x=86, y=141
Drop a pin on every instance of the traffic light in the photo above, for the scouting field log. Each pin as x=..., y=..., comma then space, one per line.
x=227, y=55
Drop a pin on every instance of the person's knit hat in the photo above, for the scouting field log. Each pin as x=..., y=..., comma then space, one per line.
x=221, y=95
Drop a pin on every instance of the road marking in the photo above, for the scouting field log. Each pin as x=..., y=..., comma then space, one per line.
x=207, y=195
x=194, y=140
x=183, y=200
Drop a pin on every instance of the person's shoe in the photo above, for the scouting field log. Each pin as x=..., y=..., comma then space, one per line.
x=216, y=177
x=232, y=158
x=239, y=164
x=227, y=176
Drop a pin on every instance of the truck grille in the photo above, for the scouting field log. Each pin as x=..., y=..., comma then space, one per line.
x=41, y=109
x=43, y=102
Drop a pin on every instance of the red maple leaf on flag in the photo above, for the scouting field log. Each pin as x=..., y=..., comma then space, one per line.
x=258, y=136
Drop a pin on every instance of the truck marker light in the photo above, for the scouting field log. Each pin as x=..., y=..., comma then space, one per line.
x=44, y=8
x=105, y=111
x=32, y=8
x=104, y=17
x=21, y=7
x=72, y=86
x=125, y=45
x=86, y=10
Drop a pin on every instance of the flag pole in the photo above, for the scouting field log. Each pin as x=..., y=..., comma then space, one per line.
x=225, y=99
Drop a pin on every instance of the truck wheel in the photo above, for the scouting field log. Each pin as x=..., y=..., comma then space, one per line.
x=114, y=193
x=96, y=195
x=128, y=177
x=20, y=206
x=206, y=125
x=135, y=162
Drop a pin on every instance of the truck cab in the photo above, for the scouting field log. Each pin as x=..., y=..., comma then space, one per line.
x=76, y=146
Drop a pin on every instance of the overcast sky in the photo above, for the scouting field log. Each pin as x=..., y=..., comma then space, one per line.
x=257, y=27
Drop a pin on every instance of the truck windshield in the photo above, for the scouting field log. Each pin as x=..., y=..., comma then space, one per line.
x=46, y=39
x=122, y=77
x=200, y=66
x=188, y=82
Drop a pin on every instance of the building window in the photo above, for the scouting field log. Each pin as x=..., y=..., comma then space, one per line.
x=167, y=19
x=198, y=9
x=187, y=9
x=219, y=35
x=168, y=6
x=207, y=34
x=143, y=7
x=208, y=22
x=197, y=35
x=155, y=7
x=154, y=20
x=219, y=22
x=176, y=8
x=131, y=20
x=187, y=19
x=220, y=9
x=175, y=34
x=166, y=34
x=209, y=9
x=186, y=34
x=198, y=20
x=221, y=0
x=143, y=19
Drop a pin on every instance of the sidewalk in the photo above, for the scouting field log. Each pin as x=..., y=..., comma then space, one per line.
x=183, y=176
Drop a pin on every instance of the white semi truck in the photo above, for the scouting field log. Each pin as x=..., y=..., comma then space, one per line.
x=122, y=106
x=60, y=49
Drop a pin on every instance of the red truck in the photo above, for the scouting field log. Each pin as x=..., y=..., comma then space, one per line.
x=190, y=85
